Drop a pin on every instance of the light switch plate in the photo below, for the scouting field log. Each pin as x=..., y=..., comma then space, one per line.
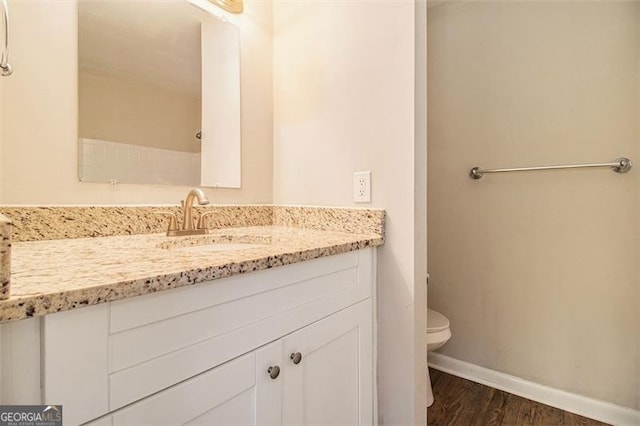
x=362, y=187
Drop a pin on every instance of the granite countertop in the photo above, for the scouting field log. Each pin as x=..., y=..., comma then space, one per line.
x=56, y=275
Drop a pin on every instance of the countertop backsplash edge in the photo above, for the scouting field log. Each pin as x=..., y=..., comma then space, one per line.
x=67, y=222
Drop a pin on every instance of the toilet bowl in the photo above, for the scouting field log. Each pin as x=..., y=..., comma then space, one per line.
x=438, y=333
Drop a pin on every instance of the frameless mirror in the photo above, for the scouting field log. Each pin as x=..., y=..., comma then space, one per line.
x=158, y=94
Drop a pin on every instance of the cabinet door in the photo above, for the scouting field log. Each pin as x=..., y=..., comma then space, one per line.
x=225, y=395
x=332, y=383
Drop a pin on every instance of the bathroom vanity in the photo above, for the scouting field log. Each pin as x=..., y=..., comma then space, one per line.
x=278, y=328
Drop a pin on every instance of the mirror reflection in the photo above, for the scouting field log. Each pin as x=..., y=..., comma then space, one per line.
x=140, y=93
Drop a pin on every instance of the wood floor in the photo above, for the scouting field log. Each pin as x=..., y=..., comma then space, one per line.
x=465, y=403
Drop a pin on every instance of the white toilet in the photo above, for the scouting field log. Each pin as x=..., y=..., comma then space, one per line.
x=438, y=333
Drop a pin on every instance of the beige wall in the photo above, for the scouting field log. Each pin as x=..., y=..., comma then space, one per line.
x=39, y=107
x=151, y=116
x=344, y=102
x=538, y=272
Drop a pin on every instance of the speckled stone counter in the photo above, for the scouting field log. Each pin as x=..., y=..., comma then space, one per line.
x=57, y=275
x=5, y=257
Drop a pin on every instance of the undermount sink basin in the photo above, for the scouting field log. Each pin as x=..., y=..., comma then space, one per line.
x=214, y=243
x=217, y=247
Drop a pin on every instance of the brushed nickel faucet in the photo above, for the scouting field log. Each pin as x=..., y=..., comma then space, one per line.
x=188, y=227
x=187, y=208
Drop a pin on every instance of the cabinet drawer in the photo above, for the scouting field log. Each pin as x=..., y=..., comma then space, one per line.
x=139, y=344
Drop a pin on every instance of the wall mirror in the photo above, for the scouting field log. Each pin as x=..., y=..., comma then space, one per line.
x=158, y=94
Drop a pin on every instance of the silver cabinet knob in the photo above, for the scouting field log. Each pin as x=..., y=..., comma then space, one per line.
x=296, y=357
x=274, y=372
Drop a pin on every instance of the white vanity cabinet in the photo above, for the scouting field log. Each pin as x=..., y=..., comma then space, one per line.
x=320, y=375
x=200, y=355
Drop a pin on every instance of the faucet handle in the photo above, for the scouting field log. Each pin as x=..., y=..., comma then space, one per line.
x=202, y=220
x=173, y=220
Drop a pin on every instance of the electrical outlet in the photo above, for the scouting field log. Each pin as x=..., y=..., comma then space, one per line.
x=362, y=187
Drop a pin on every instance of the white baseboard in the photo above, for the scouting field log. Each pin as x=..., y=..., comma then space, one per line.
x=588, y=407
